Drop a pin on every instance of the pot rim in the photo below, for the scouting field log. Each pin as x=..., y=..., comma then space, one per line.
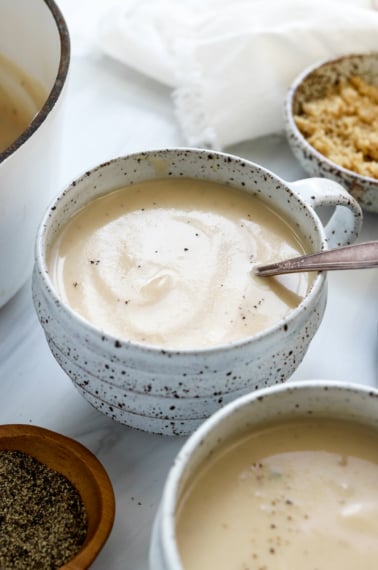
x=60, y=80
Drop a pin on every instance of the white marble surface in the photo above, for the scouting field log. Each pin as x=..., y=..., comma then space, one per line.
x=111, y=111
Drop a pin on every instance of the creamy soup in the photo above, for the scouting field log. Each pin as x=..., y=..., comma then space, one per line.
x=169, y=262
x=21, y=97
x=300, y=495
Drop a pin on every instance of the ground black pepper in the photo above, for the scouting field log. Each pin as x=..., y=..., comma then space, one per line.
x=43, y=522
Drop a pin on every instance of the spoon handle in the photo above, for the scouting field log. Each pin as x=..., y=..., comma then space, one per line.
x=357, y=256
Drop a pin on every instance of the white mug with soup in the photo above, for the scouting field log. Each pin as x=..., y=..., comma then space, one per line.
x=145, y=288
x=282, y=478
x=34, y=62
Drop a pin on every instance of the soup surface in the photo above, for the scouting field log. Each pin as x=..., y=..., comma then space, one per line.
x=21, y=97
x=168, y=262
x=296, y=495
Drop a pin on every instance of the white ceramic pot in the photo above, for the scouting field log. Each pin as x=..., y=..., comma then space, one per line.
x=34, y=36
x=325, y=399
x=173, y=391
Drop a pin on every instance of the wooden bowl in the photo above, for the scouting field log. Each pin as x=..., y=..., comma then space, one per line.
x=85, y=472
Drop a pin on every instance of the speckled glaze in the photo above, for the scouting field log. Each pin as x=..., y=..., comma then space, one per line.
x=173, y=391
x=311, y=84
x=329, y=399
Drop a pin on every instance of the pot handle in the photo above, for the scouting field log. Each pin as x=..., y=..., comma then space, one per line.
x=345, y=223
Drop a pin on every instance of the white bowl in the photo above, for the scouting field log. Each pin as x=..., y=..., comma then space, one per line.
x=320, y=399
x=172, y=391
x=312, y=84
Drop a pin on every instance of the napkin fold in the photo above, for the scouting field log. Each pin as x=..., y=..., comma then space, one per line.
x=230, y=63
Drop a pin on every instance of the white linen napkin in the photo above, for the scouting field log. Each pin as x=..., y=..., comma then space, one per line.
x=230, y=63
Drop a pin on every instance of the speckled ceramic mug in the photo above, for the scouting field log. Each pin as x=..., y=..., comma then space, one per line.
x=312, y=84
x=172, y=391
x=319, y=399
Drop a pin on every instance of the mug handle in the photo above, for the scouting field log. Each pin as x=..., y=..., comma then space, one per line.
x=345, y=223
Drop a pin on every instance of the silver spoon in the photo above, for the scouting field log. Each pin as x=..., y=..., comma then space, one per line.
x=357, y=256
